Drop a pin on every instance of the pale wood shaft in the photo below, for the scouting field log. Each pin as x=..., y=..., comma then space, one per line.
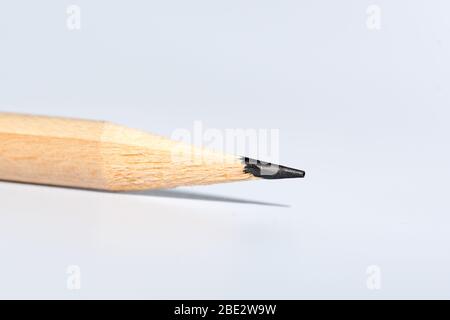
x=102, y=155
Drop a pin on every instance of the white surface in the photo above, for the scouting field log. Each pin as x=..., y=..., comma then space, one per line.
x=369, y=124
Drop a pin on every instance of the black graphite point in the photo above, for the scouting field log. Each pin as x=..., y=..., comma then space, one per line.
x=267, y=170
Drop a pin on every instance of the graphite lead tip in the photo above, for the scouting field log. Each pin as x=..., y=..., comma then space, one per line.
x=267, y=170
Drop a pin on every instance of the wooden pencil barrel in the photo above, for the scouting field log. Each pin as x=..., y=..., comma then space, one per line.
x=102, y=155
x=52, y=151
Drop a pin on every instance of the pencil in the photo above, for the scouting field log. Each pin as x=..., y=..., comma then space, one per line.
x=105, y=156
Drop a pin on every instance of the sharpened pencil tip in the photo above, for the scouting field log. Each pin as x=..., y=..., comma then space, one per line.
x=267, y=170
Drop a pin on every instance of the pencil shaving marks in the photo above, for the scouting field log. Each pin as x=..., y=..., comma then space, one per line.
x=154, y=162
x=131, y=168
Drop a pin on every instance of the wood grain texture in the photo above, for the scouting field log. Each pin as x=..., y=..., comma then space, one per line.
x=102, y=155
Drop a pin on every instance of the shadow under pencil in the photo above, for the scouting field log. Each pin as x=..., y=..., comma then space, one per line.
x=181, y=194
x=166, y=193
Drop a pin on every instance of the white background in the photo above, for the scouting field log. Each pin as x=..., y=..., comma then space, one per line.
x=364, y=112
